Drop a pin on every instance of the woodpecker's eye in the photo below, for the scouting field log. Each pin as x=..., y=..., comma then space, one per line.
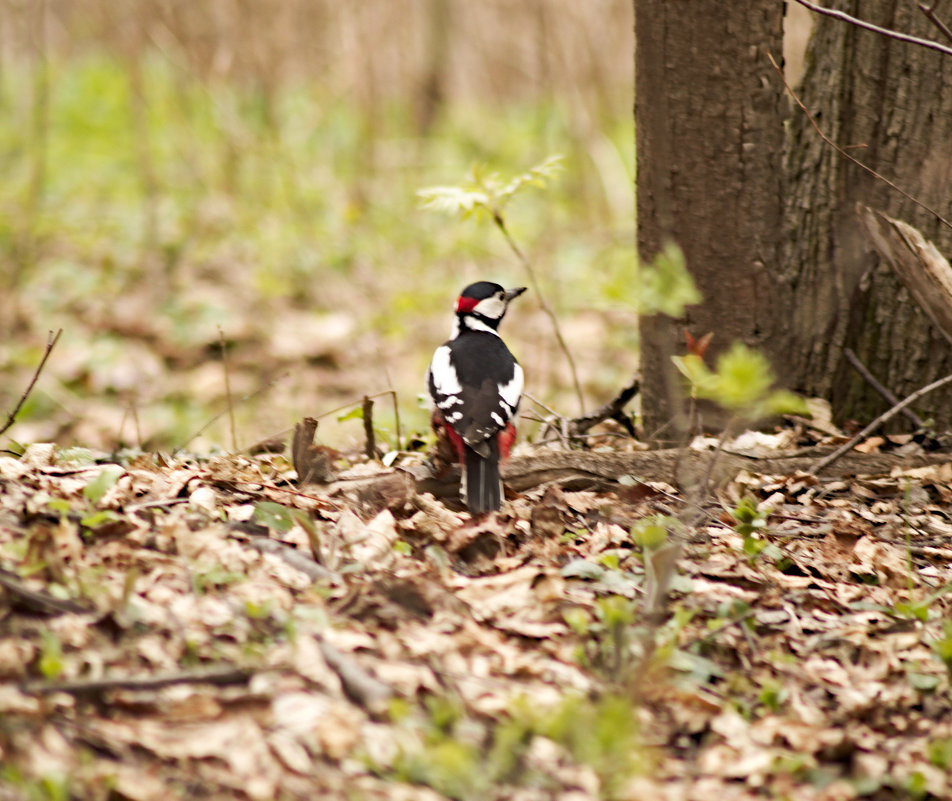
x=501, y=295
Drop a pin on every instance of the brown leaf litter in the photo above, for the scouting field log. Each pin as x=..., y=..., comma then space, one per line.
x=186, y=627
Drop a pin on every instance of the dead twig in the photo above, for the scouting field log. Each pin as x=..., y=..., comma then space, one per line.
x=885, y=417
x=874, y=383
x=231, y=406
x=370, y=441
x=613, y=410
x=891, y=34
x=929, y=11
x=310, y=462
x=560, y=430
x=846, y=155
x=50, y=344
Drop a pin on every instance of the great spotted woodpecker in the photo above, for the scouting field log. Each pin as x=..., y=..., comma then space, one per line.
x=476, y=384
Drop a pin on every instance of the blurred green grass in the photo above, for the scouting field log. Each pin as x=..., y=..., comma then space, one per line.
x=158, y=214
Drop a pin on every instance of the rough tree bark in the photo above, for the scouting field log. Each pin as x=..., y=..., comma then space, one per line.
x=709, y=135
x=891, y=103
x=768, y=221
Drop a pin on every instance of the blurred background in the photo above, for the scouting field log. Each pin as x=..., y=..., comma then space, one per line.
x=183, y=180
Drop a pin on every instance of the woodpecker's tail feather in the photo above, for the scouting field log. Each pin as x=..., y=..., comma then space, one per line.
x=482, y=487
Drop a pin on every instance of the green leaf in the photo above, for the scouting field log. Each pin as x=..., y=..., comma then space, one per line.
x=274, y=516
x=667, y=286
x=101, y=484
x=51, y=660
x=925, y=682
x=100, y=518
x=59, y=506
x=357, y=413
x=743, y=378
x=650, y=533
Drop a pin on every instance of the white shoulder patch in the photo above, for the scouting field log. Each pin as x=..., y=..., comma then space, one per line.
x=511, y=392
x=443, y=373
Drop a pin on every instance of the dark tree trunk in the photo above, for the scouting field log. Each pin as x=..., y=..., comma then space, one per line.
x=891, y=104
x=709, y=136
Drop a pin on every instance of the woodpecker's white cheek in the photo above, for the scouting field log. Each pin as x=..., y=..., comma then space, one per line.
x=493, y=308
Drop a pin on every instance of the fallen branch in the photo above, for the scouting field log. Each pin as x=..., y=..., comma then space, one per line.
x=885, y=417
x=584, y=470
x=362, y=688
x=50, y=344
x=293, y=557
x=37, y=601
x=217, y=676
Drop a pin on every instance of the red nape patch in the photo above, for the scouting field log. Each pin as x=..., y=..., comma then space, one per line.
x=466, y=304
x=506, y=438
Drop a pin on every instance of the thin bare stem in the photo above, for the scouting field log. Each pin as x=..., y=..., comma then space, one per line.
x=50, y=344
x=231, y=406
x=846, y=155
x=859, y=23
x=242, y=399
x=874, y=383
x=501, y=225
x=885, y=417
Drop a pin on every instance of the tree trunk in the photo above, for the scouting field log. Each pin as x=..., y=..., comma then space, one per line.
x=709, y=135
x=890, y=103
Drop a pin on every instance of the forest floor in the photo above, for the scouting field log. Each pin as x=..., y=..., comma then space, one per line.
x=184, y=627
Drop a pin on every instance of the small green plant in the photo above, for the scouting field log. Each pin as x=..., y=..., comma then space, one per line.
x=940, y=753
x=651, y=532
x=741, y=383
x=51, y=657
x=274, y=516
x=751, y=523
x=487, y=193
x=942, y=647
x=666, y=285
x=462, y=757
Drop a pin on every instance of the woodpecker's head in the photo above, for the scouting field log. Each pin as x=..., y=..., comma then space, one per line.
x=483, y=305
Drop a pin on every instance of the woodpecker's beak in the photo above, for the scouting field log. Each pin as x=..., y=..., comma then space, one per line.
x=511, y=294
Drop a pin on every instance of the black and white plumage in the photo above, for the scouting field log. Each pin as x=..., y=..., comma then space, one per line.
x=476, y=384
